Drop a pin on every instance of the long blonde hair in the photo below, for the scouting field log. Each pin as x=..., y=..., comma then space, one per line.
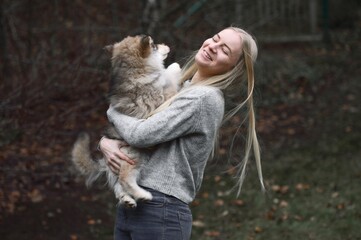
x=243, y=70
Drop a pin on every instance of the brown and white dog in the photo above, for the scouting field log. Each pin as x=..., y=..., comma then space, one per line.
x=139, y=84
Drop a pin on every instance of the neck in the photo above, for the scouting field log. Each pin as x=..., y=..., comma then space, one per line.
x=198, y=77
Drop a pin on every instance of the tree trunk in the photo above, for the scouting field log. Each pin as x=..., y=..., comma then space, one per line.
x=151, y=15
x=3, y=53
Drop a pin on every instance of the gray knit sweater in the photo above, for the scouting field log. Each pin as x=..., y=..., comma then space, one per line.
x=183, y=136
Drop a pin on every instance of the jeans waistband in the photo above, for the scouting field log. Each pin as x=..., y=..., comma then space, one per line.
x=168, y=198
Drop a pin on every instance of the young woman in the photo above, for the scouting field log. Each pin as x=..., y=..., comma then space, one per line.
x=182, y=133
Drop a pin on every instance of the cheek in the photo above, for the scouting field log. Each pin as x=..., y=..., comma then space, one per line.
x=225, y=65
x=206, y=42
x=198, y=58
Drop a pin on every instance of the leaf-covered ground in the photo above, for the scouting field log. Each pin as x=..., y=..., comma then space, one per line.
x=308, y=121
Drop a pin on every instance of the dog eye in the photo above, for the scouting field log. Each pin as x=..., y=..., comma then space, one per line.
x=154, y=46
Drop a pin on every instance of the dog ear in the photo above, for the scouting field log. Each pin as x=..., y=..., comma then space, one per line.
x=145, y=46
x=109, y=48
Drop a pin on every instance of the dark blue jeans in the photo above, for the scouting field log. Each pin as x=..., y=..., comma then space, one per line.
x=163, y=218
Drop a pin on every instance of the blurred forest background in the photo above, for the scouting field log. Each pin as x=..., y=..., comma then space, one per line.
x=54, y=80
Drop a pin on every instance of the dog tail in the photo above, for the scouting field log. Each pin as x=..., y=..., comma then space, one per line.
x=83, y=161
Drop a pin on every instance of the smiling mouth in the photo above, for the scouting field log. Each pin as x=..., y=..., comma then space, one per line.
x=206, y=54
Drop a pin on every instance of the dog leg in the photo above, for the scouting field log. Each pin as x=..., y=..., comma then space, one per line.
x=120, y=194
x=173, y=75
x=128, y=179
x=123, y=197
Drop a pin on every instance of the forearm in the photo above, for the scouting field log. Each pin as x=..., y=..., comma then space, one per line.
x=148, y=132
x=179, y=119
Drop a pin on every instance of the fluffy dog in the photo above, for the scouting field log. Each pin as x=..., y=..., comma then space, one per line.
x=139, y=84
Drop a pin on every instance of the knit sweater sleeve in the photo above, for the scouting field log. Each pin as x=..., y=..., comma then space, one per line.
x=179, y=119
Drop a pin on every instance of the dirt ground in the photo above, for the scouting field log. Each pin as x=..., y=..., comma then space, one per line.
x=72, y=213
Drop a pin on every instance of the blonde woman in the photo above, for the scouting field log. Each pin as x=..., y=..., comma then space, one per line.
x=182, y=133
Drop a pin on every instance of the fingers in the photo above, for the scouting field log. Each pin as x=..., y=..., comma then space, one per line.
x=114, y=170
x=124, y=157
x=114, y=165
x=114, y=162
x=111, y=149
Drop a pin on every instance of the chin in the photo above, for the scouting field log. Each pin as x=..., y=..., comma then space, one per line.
x=200, y=61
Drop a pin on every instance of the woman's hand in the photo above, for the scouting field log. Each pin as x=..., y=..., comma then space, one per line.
x=112, y=153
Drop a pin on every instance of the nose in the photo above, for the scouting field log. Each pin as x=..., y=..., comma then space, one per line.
x=213, y=47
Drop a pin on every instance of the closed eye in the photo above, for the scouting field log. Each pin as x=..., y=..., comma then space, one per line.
x=215, y=38
x=225, y=48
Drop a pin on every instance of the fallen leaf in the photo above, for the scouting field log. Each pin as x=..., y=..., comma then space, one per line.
x=302, y=186
x=340, y=206
x=219, y=203
x=212, y=233
x=238, y=202
x=196, y=203
x=291, y=131
x=14, y=196
x=225, y=213
x=205, y=195
x=280, y=189
x=73, y=237
x=35, y=196
x=217, y=178
x=284, y=189
x=10, y=207
x=258, y=229
x=335, y=195
x=222, y=151
x=24, y=151
x=283, y=204
x=284, y=217
x=270, y=215
x=198, y=223
x=275, y=188
x=91, y=222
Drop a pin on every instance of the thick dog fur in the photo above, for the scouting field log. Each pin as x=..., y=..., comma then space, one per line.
x=139, y=84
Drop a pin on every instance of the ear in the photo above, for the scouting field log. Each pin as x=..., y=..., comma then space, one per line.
x=109, y=48
x=145, y=47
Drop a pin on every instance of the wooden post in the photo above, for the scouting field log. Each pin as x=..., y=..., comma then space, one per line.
x=313, y=16
x=325, y=15
x=150, y=16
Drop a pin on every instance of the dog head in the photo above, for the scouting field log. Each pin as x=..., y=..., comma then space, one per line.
x=138, y=50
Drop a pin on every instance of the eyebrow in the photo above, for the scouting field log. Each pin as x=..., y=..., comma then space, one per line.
x=230, y=50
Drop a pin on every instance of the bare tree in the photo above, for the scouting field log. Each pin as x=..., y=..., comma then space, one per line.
x=152, y=10
x=4, y=67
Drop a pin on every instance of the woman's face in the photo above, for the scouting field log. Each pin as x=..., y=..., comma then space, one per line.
x=219, y=54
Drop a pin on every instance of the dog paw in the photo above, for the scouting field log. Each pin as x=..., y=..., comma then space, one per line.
x=174, y=67
x=144, y=196
x=128, y=202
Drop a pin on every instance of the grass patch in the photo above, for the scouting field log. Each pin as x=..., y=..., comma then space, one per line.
x=311, y=194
